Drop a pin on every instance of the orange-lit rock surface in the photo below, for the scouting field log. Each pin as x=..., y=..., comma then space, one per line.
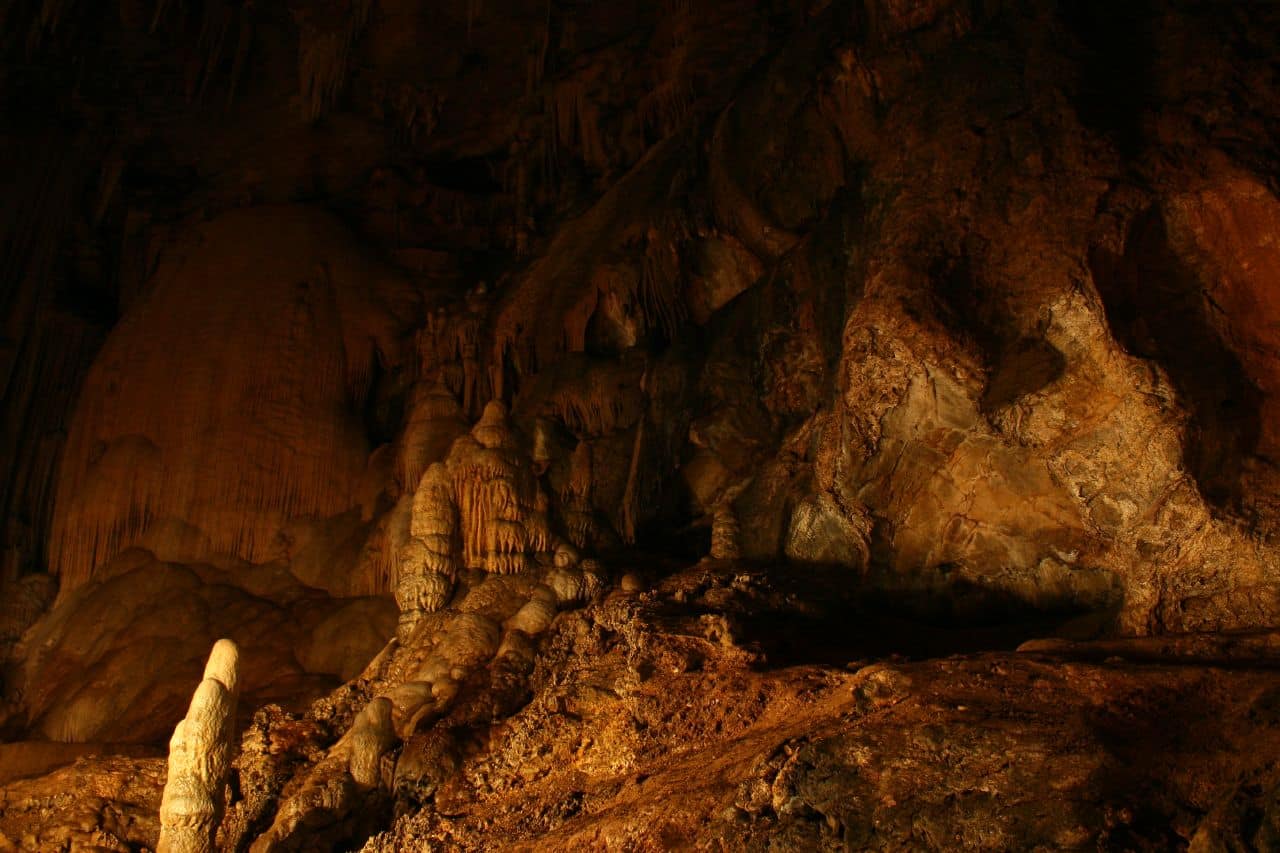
x=228, y=400
x=806, y=423
x=722, y=707
x=114, y=661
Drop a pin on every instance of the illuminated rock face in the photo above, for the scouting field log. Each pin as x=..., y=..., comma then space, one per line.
x=228, y=400
x=115, y=660
x=858, y=335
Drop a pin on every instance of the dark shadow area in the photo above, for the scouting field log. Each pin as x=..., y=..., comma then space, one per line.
x=1019, y=364
x=826, y=615
x=862, y=631
x=1157, y=310
x=1148, y=738
x=1025, y=366
x=1114, y=83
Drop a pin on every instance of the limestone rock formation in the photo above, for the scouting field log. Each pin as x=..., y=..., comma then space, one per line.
x=484, y=508
x=431, y=690
x=206, y=425
x=913, y=365
x=199, y=757
x=114, y=661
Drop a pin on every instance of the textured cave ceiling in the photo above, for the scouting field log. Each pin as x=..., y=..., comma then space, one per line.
x=637, y=425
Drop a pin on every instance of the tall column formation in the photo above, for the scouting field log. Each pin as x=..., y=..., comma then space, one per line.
x=199, y=755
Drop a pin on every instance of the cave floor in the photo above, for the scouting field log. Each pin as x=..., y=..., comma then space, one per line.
x=723, y=708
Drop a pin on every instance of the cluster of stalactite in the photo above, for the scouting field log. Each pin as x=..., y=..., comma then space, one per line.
x=483, y=508
x=207, y=436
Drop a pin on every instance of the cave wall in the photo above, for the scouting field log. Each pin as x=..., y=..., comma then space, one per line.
x=971, y=298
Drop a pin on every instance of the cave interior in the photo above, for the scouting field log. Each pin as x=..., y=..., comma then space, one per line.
x=691, y=424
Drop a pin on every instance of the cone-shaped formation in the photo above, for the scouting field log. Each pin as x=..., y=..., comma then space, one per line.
x=428, y=565
x=199, y=754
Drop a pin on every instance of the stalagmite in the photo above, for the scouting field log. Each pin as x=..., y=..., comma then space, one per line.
x=434, y=421
x=484, y=508
x=725, y=533
x=199, y=755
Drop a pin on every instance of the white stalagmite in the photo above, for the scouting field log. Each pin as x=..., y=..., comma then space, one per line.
x=199, y=755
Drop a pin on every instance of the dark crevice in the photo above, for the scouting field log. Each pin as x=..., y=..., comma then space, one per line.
x=1156, y=308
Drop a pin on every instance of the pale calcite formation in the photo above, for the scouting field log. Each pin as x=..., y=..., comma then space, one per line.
x=483, y=508
x=481, y=522
x=468, y=663
x=199, y=755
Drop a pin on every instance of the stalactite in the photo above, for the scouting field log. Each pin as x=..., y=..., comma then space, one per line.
x=669, y=102
x=324, y=56
x=51, y=15
x=577, y=513
x=596, y=415
x=537, y=525
x=474, y=9
x=576, y=123
x=158, y=14
x=244, y=40
x=629, y=512
x=660, y=278
x=221, y=22
x=45, y=351
x=577, y=489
